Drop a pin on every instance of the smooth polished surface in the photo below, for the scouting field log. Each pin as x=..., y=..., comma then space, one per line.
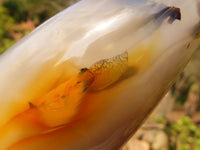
x=89, y=76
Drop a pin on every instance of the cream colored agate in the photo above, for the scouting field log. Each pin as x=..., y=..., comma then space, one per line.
x=151, y=51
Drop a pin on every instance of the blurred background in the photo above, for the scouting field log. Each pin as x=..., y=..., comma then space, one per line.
x=174, y=125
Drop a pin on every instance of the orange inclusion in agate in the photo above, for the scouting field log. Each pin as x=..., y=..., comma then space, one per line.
x=70, y=104
x=59, y=105
x=51, y=110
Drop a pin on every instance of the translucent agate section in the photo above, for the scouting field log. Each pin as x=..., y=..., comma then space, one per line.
x=89, y=76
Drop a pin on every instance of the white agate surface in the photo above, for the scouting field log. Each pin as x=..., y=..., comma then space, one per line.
x=90, y=31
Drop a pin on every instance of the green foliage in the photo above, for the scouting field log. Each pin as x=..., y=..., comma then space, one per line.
x=5, y=24
x=183, y=134
x=6, y=44
x=38, y=11
x=181, y=99
x=16, y=13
